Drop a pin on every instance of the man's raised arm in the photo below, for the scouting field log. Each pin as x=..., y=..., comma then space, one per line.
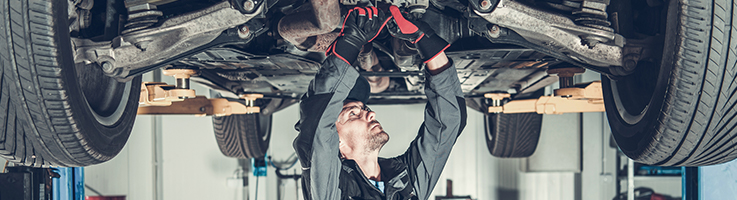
x=317, y=142
x=445, y=111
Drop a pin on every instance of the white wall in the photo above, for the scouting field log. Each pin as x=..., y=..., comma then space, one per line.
x=192, y=167
x=129, y=173
x=470, y=166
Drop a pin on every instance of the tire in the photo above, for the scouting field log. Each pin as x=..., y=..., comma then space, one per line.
x=243, y=136
x=512, y=135
x=678, y=110
x=56, y=113
x=476, y=104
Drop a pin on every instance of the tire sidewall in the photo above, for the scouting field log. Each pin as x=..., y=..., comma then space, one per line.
x=105, y=141
x=512, y=135
x=265, y=122
x=633, y=138
x=238, y=127
x=490, y=131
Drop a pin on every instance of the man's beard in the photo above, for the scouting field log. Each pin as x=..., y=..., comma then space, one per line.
x=377, y=141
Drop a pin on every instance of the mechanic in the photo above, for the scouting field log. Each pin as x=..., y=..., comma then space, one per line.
x=339, y=136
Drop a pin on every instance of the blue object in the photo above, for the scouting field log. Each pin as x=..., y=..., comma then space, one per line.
x=718, y=181
x=70, y=184
x=378, y=184
x=659, y=171
x=259, y=166
x=690, y=183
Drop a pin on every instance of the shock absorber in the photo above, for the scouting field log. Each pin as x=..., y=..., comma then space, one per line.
x=592, y=14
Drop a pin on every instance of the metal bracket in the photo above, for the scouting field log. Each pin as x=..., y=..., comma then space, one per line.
x=161, y=94
x=496, y=101
x=200, y=106
x=637, y=50
x=160, y=98
x=250, y=98
x=152, y=46
x=590, y=91
x=181, y=75
x=484, y=6
x=247, y=6
x=585, y=97
x=565, y=75
x=558, y=33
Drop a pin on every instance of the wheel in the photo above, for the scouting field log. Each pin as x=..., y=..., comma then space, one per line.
x=677, y=110
x=243, y=136
x=247, y=135
x=55, y=113
x=512, y=135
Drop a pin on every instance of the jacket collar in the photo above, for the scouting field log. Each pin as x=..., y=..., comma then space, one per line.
x=394, y=174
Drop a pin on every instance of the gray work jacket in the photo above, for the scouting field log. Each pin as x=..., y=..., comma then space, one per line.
x=412, y=175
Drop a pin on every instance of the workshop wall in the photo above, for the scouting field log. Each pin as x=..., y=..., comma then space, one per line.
x=194, y=168
x=131, y=172
x=167, y=157
x=467, y=165
x=176, y=157
x=473, y=170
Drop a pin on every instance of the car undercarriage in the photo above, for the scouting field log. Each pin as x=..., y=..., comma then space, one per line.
x=275, y=50
x=71, y=69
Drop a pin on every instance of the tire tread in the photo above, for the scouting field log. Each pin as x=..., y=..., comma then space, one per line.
x=698, y=129
x=512, y=135
x=238, y=135
x=43, y=112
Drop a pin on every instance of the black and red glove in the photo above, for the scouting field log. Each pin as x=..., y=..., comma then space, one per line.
x=418, y=33
x=361, y=26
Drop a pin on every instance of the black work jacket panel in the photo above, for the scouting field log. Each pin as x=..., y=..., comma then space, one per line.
x=412, y=175
x=355, y=185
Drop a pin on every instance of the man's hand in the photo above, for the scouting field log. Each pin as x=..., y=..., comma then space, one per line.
x=361, y=26
x=419, y=33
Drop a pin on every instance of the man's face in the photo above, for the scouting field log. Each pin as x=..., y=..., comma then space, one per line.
x=359, y=129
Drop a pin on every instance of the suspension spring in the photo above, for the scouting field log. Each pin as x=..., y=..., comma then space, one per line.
x=141, y=17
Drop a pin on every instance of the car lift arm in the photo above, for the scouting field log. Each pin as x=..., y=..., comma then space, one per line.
x=160, y=98
x=586, y=97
